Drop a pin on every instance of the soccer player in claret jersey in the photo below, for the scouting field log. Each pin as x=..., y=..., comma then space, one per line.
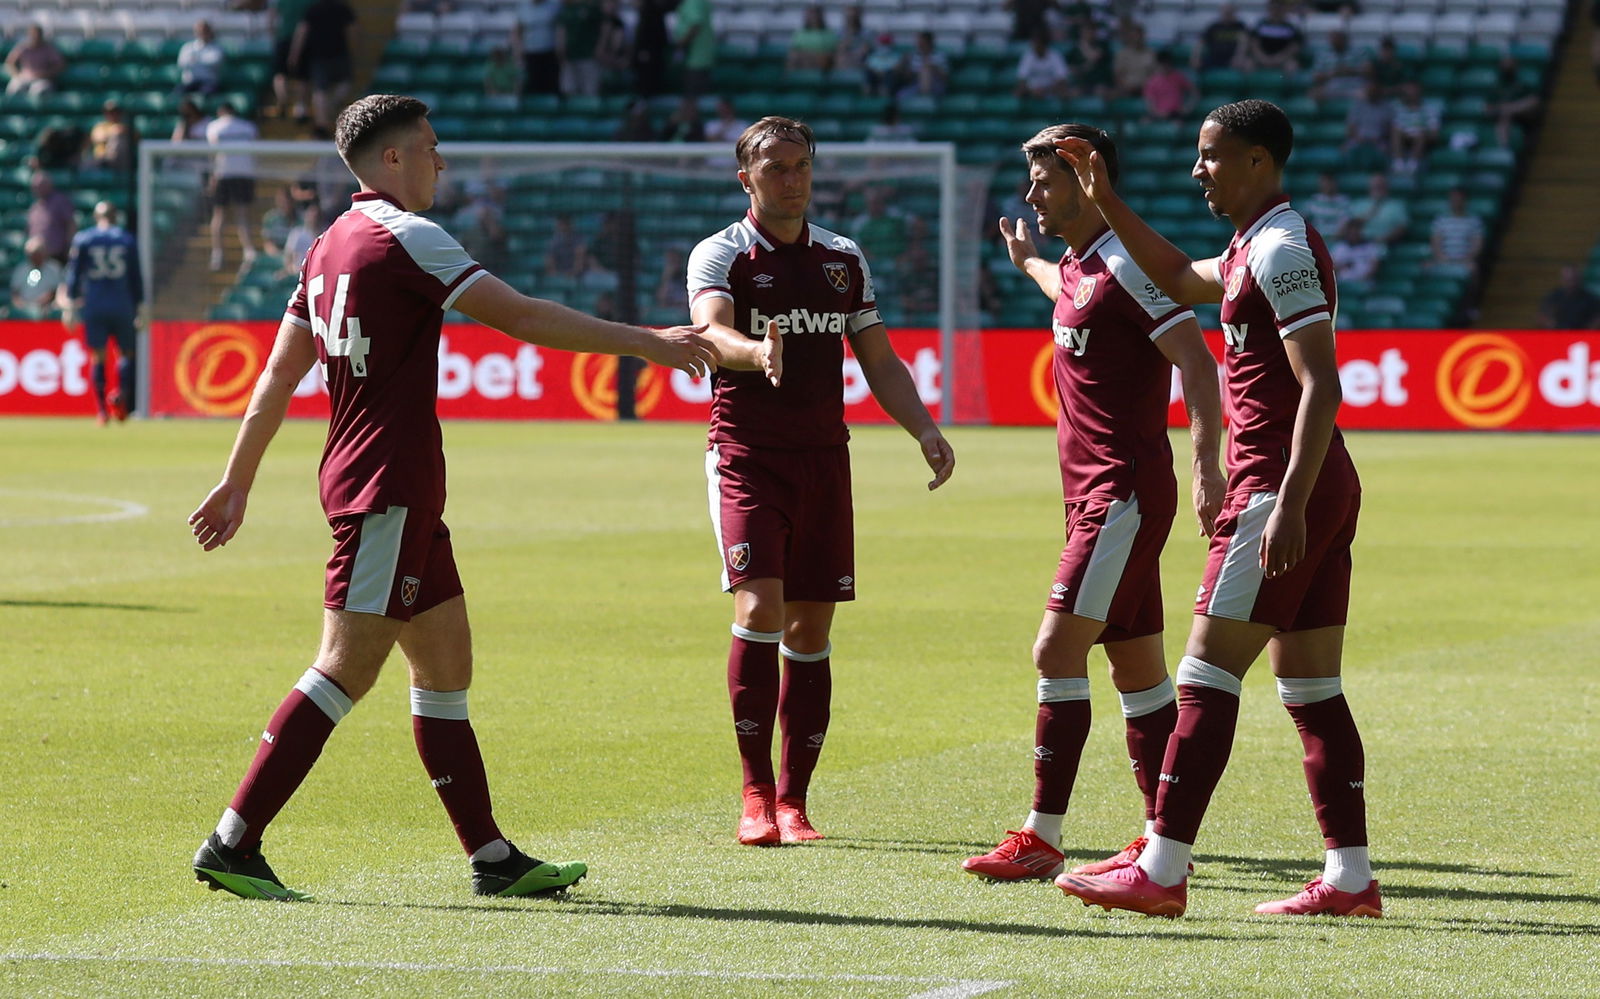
x=779, y=296
x=1278, y=575
x=369, y=307
x=104, y=289
x=1117, y=338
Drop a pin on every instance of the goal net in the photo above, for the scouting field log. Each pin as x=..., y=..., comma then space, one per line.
x=605, y=228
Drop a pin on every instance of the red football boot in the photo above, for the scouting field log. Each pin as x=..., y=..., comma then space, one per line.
x=1021, y=856
x=758, y=826
x=793, y=825
x=1127, y=888
x=1322, y=899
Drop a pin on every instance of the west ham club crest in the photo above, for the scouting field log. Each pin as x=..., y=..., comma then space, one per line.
x=838, y=276
x=1084, y=293
x=409, y=585
x=1235, y=282
x=739, y=556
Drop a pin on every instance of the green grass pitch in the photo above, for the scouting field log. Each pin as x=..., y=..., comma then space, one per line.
x=139, y=672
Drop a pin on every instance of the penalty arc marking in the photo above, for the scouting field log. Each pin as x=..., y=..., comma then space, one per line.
x=116, y=509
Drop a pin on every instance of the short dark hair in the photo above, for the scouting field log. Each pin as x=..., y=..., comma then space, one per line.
x=772, y=128
x=372, y=120
x=1259, y=123
x=1042, y=147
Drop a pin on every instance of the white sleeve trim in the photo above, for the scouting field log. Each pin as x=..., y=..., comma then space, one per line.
x=471, y=279
x=865, y=319
x=1303, y=322
x=1171, y=321
x=296, y=320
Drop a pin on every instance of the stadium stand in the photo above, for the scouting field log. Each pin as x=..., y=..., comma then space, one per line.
x=1450, y=46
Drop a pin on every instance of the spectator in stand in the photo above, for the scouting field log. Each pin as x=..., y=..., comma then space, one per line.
x=1089, y=59
x=991, y=303
x=697, y=36
x=277, y=221
x=1028, y=18
x=297, y=242
x=636, y=125
x=192, y=121
x=322, y=46
x=1368, y=128
x=1456, y=238
x=1338, y=72
x=880, y=232
x=34, y=281
x=479, y=223
x=884, y=68
x=577, y=39
x=1041, y=72
x=685, y=123
x=812, y=46
x=1221, y=41
x=112, y=140
x=726, y=127
x=233, y=183
x=890, y=128
x=1388, y=69
x=1135, y=61
x=51, y=219
x=503, y=73
x=1329, y=208
x=669, y=293
x=288, y=75
x=1169, y=93
x=541, y=66
x=57, y=146
x=34, y=63
x=614, y=49
x=200, y=62
x=567, y=253
x=1414, y=130
x=927, y=69
x=1570, y=305
x=1274, y=42
x=1355, y=257
x=1515, y=102
x=854, y=43
x=1384, y=217
x=652, y=47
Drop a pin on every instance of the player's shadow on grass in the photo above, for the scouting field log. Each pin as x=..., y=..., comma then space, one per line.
x=93, y=605
x=899, y=845
x=1296, y=867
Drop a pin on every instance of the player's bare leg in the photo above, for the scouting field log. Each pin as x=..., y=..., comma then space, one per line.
x=804, y=699
x=438, y=648
x=1149, y=712
x=753, y=690
x=1061, y=726
x=1307, y=665
x=354, y=647
x=1218, y=654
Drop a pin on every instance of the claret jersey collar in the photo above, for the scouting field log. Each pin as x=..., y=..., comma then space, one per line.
x=1091, y=245
x=1273, y=206
x=773, y=242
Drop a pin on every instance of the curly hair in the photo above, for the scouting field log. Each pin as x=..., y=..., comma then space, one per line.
x=1259, y=123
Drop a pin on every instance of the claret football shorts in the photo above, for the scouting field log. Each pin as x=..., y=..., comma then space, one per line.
x=398, y=563
x=1110, y=567
x=784, y=514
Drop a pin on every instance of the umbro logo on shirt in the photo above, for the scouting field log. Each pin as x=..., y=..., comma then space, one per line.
x=763, y=280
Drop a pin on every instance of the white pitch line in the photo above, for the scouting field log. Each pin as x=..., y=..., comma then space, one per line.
x=120, y=509
x=944, y=987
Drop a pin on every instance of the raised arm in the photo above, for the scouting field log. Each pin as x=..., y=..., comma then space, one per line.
x=494, y=303
x=1186, y=281
x=1025, y=257
x=1197, y=370
x=219, y=515
x=1311, y=356
x=892, y=386
x=738, y=351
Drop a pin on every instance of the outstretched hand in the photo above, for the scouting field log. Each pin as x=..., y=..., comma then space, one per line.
x=685, y=348
x=217, y=519
x=940, y=456
x=1019, y=242
x=770, y=353
x=1081, y=156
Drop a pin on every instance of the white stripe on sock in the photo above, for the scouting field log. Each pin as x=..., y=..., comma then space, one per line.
x=1194, y=672
x=1141, y=702
x=325, y=694
x=1347, y=868
x=1166, y=860
x=1047, y=827
x=764, y=637
x=231, y=827
x=805, y=657
x=450, y=705
x=1063, y=688
x=1308, y=690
